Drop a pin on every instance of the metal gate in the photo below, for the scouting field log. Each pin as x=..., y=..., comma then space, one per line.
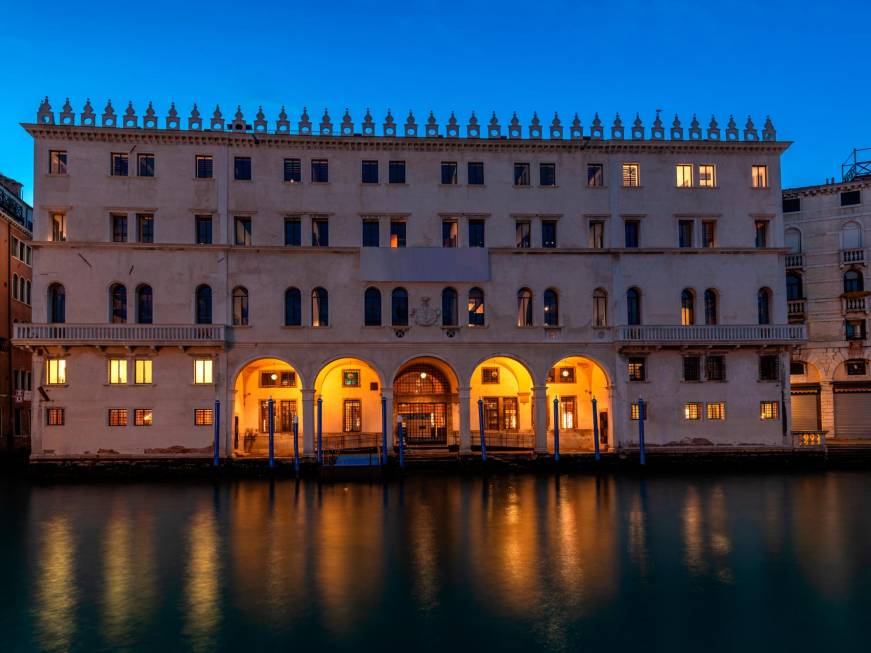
x=424, y=423
x=805, y=408
x=852, y=411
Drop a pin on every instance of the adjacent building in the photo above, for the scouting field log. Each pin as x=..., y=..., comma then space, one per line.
x=460, y=277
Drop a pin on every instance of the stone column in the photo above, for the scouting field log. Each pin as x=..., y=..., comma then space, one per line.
x=308, y=422
x=391, y=420
x=539, y=393
x=827, y=408
x=465, y=422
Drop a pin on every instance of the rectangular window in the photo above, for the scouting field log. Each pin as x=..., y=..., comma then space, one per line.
x=708, y=175
x=709, y=233
x=692, y=410
x=117, y=417
x=715, y=368
x=547, y=174
x=450, y=233
x=631, y=230
x=242, y=168
x=855, y=367
x=203, y=371
x=595, y=175
x=762, y=233
x=684, y=175
x=792, y=205
x=716, y=410
x=797, y=368
x=203, y=229
x=855, y=329
x=320, y=232
x=490, y=375
x=449, y=173
x=119, y=164
x=292, y=232
x=117, y=371
x=491, y=413
x=768, y=409
x=145, y=227
x=55, y=371
x=272, y=379
x=352, y=420
x=145, y=165
x=204, y=417
x=476, y=233
x=143, y=416
x=561, y=375
x=759, y=176
x=119, y=227
x=293, y=170
x=57, y=162
x=396, y=172
x=58, y=227
x=635, y=411
x=142, y=373
x=54, y=417
x=397, y=233
x=370, y=172
x=509, y=413
x=243, y=231
x=631, y=175
x=521, y=174
x=637, y=369
x=204, y=166
x=370, y=233
x=523, y=234
x=769, y=368
x=596, y=236
x=685, y=233
x=476, y=173
x=320, y=171
x=548, y=233
x=692, y=368
x=851, y=198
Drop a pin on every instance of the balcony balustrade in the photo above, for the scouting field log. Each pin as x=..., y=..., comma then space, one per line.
x=119, y=334
x=795, y=309
x=794, y=261
x=853, y=304
x=851, y=256
x=715, y=333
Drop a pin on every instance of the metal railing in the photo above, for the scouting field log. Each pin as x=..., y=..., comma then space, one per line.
x=858, y=164
x=794, y=260
x=119, y=333
x=721, y=333
x=856, y=255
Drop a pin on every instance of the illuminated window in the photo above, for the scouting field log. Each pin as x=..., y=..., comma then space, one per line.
x=272, y=379
x=568, y=413
x=631, y=175
x=203, y=370
x=490, y=375
x=54, y=417
x=684, y=175
x=55, y=371
x=635, y=411
x=397, y=233
x=143, y=416
x=350, y=378
x=509, y=413
x=58, y=227
x=204, y=417
x=352, y=421
x=476, y=307
x=759, y=176
x=692, y=410
x=717, y=410
x=142, y=371
x=57, y=162
x=117, y=417
x=117, y=370
x=855, y=367
x=637, y=369
x=767, y=410
x=707, y=175
x=687, y=307
x=450, y=233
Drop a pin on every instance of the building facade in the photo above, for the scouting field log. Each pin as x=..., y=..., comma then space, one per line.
x=355, y=274
x=16, y=382
x=826, y=227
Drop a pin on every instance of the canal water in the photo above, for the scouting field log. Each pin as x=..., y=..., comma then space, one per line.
x=611, y=563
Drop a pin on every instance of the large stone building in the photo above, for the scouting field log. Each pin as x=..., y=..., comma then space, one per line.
x=826, y=227
x=404, y=270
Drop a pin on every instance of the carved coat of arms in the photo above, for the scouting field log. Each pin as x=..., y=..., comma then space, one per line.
x=425, y=315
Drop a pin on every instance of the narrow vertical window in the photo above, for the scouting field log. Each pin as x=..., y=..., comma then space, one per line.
x=596, y=236
x=372, y=307
x=397, y=233
x=709, y=233
x=449, y=173
x=320, y=308
x=450, y=233
x=145, y=227
x=449, y=307
x=633, y=306
x=58, y=227
x=631, y=232
x=685, y=233
x=56, y=304
x=320, y=171
x=711, y=306
x=524, y=307
x=547, y=174
x=369, y=172
x=203, y=229
x=203, y=371
x=521, y=174
x=292, y=171
x=548, y=233
x=476, y=307
x=476, y=173
x=240, y=306
x=759, y=176
x=243, y=231
x=476, y=233
x=763, y=301
x=144, y=305
x=119, y=227
x=687, y=307
x=523, y=234
x=551, y=308
x=292, y=307
x=595, y=175
x=242, y=168
x=371, y=230
x=399, y=307
x=292, y=232
x=142, y=373
x=203, y=299
x=118, y=302
x=145, y=165
x=320, y=232
x=396, y=172
x=761, y=233
x=600, y=308
x=203, y=166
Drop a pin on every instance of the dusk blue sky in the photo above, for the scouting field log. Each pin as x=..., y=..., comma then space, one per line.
x=805, y=64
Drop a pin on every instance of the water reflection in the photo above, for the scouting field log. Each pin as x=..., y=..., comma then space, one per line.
x=202, y=581
x=57, y=594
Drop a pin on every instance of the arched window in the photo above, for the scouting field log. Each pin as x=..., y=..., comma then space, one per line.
x=118, y=302
x=794, y=290
x=476, y=307
x=449, y=307
x=853, y=281
x=292, y=307
x=320, y=307
x=851, y=236
x=792, y=239
x=551, y=308
x=203, y=305
x=600, y=308
x=21, y=294
x=57, y=304
x=763, y=301
x=633, y=306
x=27, y=292
x=372, y=307
x=710, y=306
x=240, y=306
x=144, y=305
x=687, y=307
x=14, y=286
x=399, y=307
x=524, y=307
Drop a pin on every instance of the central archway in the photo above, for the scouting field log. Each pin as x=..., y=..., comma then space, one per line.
x=256, y=383
x=504, y=386
x=350, y=392
x=425, y=396
x=574, y=381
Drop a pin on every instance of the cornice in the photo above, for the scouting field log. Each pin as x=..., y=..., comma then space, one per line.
x=826, y=189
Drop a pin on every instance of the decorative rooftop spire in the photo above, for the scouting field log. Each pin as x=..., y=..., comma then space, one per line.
x=473, y=130
x=695, y=130
x=556, y=127
x=305, y=123
x=432, y=127
x=577, y=130
x=195, y=121
x=347, y=127
x=217, y=121
x=130, y=119
x=453, y=127
x=410, y=125
x=150, y=119
x=260, y=120
x=768, y=133
x=172, y=119
x=535, y=126
x=282, y=125
x=637, y=127
x=389, y=124
x=494, y=130
x=44, y=115
x=67, y=117
x=88, y=117
x=713, y=129
x=368, y=124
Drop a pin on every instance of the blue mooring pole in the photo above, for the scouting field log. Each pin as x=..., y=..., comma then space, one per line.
x=401, y=436
x=320, y=430
x=596, y=428
x=271, y=432
x=641, y=411
x=383, y=430
x=481, y=430
x=296, y=444
x=217, y=452
x=556, y=429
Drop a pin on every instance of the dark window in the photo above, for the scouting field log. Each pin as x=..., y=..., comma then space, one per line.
x=685, y=233
x=293, y=170
x=370, y=172
x=476, y=173
x=292, y=232
x=204, y=229
x=791, y=204
x=243, y=231
x=145, y=227
x=521, y=174
x=320, y=308
x=240, y=307
x=551, y=308
x=709, y=233
x=596, y=235
x=523, y=234
x=710, y=306
x=204, y=305
x=762, y=233
x=57, y=162
x=547, y=174
x=399, y=307
x=794, y=286
x=292, y=307
x=320, y=232
x=396, y=172
x=476, y=233
x=851, y=197
x=548, y=233
x=769, y=367
x=450, y=233
x=633, y=306
x=397, y=233
x=449, y=307
x=524, y=307
x=853, y=281
x=242, y=168
x=204, y=165
x=320, y=171
x=637, y=367
x=144, y=305
x=856, y=367
x=595, y=175
x=449, y=172
x=119, y=164
x=692, y=368
x=370, y=233
x=476, y=307
x=763, y=301
x=797, y=368
x=119, y=227
x=56, y=304
x=372, y=307
x=855, y=329
x=632, y=229
x=145, y=165
x=490, y=375
x=600, y=308
x=715, y=368
x=118, y=299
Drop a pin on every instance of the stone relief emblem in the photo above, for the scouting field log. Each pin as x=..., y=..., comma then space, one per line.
x=425, y=315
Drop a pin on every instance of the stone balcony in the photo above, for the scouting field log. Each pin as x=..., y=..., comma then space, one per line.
x=795, y=309
x=794, y=261
x=715, y=334
x=854, y=305
x=119, y=334
x=853, y=256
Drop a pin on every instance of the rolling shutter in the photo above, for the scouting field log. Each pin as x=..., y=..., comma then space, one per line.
x=805, y=408
x=853, y=411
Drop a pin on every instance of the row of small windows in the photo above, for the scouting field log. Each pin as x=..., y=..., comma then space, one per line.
x=847, y=198
x=688, y=306
x=697, y=368
x=56, y=416
x=21, y=289
x=143, y=371
x=21, y=250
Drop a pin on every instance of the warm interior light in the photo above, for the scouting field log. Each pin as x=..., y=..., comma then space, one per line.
x=423, y=375
x=565, y=372
x=274, y=376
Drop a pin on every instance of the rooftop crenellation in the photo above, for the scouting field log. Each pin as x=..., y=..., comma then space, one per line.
x=431, y=128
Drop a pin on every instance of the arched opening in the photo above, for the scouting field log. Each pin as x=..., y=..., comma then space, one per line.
x=320, y=308
x=551, y=307
x=476, y=307
x=687, y=307
x=504, y=385
x=372, y=307
x=711, y=309
x=118, y=303
x=574, y=381
x=425, y=396
x=524, y=307
x=350, y=393
x=256, y=383
x=144, y=304
x=57, y=302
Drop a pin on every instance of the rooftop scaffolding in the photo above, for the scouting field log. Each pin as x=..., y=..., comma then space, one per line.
x=858, y=164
